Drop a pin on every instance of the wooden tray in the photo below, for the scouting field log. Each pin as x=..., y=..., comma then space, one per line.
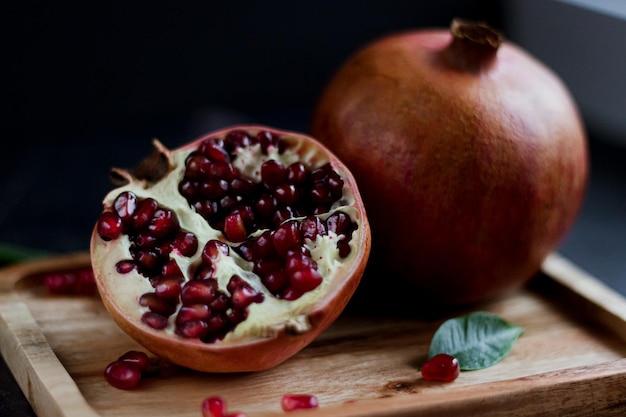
x=571, y=360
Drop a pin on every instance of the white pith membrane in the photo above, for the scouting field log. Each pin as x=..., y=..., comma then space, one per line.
x=265, y=319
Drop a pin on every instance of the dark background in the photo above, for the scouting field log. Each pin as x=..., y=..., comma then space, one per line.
x=88, y=84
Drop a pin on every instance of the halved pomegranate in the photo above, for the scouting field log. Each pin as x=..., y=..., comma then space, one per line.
x=231, y=253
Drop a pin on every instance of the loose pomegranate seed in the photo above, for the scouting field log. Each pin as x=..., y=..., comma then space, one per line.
x=291, y=402
x=140, y=359
x=109, y=225
x=216, y=407
x=123, y=374
x=441, y=367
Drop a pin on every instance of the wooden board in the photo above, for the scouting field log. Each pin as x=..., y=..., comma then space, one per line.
x=571, y=359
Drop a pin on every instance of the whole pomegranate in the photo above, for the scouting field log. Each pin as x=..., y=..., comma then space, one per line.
x=231, y=253
x=471, y=156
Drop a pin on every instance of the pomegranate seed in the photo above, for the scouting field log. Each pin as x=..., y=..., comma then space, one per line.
x=213, y=407
x=275, y=281
x=321, y=194
x=185, y=243
x=234, y=228
x=287, y=194
x=193, y=329
x=264, y=266
x=163, y=223
x=216, y=407
x=157, y=304
x=273, y=173
x=197, y=166
x=140, y=359
x=237, y=139
x=264, y=246
x=168, y=288
x=198, y=292
x=192, y=312
x=220, y=303
x=441, y=367
x=306, y=279
x=122, y=375
x=213, y=249
x=286, y=236
x=154, y=320
x=214, y=151
x=109, y=225
x=291, y=293
x=311, y=227
x=297, y=173
x=338, y=223
x=148, y=262
x=170, y=269
x=291, y=402
x=125, y=205
x=267, y=140
x=245, y=250
x=85, y=282
x=266, y=205
x=222, y=170
x=243, y=295
x=241, y=186
x=282, y=215
x=205, y=271
x=214, y=189
x=143, y=213
x=60, y=283
x=125, y=266
x=188, y=188
x=296, y=261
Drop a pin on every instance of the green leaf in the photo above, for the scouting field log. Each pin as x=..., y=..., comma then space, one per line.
x=10, y=253
x=478, y=340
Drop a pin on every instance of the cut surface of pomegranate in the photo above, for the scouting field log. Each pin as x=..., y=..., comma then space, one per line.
x=233, y=252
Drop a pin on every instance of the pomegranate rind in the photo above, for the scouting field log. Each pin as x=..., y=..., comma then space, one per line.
x=257, y=347
x=479, y=173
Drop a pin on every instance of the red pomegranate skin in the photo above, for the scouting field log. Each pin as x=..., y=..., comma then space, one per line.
x=472, y=168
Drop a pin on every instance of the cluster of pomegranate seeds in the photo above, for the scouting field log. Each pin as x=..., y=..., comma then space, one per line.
x=126, y=372
x=153, y=230
x=238, y=206
x=441, y=367
x=282, y=260
x=292, y=402
x=216, y=407
x=287, y=205
x=80, y=282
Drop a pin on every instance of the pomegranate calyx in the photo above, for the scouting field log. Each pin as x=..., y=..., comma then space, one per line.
x=474, y=45
x=151, y=169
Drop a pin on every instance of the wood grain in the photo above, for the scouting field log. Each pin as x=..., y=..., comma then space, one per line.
x=569, y=361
